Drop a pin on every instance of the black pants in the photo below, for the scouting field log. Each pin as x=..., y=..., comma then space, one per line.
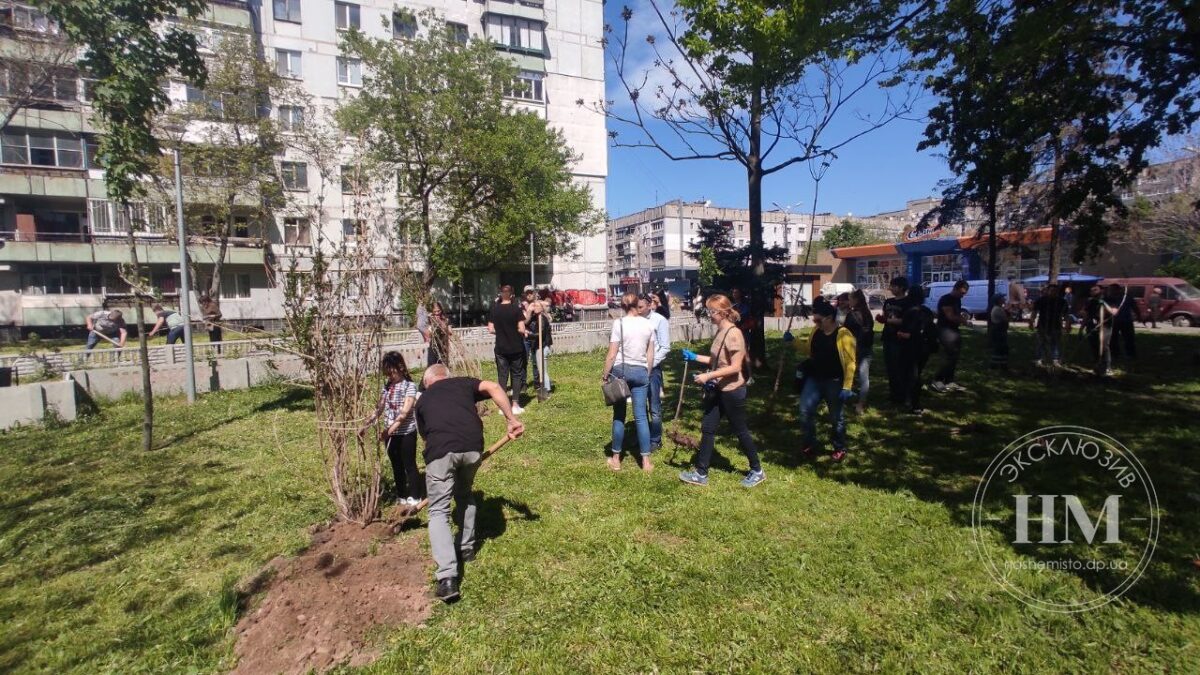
x=892, y=361
x=1122, y=333
x=731, y=404
x=511, y=367
x=911, y=365
x=402, y=450
x=951, y=343
x=214, y=335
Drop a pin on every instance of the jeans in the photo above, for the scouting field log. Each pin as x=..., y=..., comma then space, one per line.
x=446, y=477
x=510, y=369
x=639, y=387
x=530, y=356
x=999, y=340
x=817, y=389
x=893, y=361
x=539, y=364
x=731, y=404
x=402, y=451
x=93, y=340
x=1049, y=344
x=862, y=372
x=656, y=424
x=175, y=335
x=951, y=342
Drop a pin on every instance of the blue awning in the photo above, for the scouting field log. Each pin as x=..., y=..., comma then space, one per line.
x=930, y=246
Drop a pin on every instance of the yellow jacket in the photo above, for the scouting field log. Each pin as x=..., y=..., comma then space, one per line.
x=847, y=348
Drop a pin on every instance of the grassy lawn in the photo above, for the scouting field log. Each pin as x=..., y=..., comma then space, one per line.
x=116, y=561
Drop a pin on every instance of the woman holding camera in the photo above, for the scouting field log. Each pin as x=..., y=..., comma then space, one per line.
x=724, y=393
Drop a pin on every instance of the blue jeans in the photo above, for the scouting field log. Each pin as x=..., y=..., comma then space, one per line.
x=175, y=335
x=818, y=389
x=539, y=367
x=863, y=375
x=656, y=425
x=639, y=386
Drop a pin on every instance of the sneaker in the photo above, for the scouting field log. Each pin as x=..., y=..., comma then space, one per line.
x=411, y=502
x=447, y=589
x=954, y=386
x=517, y=410
x=1057, y=363
x=693, y=477
x=467, y=555
x=939, y=387
x=1039, y=363
x=808, y=452
x=753, y=478
x=916, y=412
x=838, y=455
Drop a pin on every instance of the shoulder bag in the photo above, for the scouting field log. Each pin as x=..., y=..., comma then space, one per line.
x=615, y=388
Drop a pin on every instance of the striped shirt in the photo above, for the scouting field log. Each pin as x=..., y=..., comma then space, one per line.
x=393, y=396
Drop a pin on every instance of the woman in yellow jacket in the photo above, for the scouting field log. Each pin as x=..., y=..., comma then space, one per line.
x=829, y=377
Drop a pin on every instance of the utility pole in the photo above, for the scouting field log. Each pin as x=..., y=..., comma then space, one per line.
x=185, y=291
x=532, y=280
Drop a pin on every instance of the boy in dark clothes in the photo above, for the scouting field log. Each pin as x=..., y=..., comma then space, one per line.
x=949, y=318
x=453, y=433
x=891, y=318
x=913, y=335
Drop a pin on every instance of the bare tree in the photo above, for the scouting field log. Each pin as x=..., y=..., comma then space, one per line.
x=37, y=68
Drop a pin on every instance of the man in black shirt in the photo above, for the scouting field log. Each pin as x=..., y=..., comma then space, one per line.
x=949, y=318
x=453, y=434
x=507, y=323
x=1049, y=315
x=893, y=357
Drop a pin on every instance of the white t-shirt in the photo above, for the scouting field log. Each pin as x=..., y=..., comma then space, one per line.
x=634, y=334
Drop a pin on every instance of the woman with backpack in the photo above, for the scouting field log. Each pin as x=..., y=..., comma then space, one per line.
x=630, y=358
x=724, y=393
x=860, y=323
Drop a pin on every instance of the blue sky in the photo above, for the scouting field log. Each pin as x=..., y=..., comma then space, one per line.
x=876, y=172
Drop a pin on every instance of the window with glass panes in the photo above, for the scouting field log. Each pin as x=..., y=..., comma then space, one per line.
x=941, y=268
x=351, y=180
x=287, y=10
x=291, y=117
x=349, y=71
x=516, y=33
x=404, y=24
x=62, y=280
x=346, y=15
x=458, y=32
x=235, y=286
x=526, y=86
x=36, y=147
x=294, y=175
x=877, y=273
x=296, y=232
x=287, y=64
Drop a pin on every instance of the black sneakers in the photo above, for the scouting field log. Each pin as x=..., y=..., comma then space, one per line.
x=447, y=589
x=466, y=555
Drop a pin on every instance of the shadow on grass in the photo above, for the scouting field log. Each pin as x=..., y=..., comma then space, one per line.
x=940, y=457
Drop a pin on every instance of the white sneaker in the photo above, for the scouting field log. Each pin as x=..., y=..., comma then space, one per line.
x=411, y=501
x=517, y=410
x=939, y=387
x=954, y=386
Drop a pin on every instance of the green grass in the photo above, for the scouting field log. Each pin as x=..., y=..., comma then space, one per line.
x=113, y=560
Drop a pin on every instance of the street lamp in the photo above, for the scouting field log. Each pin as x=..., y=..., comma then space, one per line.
x=185, y=300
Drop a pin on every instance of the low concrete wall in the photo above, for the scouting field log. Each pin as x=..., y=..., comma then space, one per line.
x=27, y=404
x=31, y=403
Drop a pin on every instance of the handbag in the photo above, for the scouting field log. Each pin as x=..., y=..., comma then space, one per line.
x=616, y=389
x=710, y=388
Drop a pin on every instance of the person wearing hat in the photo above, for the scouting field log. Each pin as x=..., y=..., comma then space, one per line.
x=832, y=360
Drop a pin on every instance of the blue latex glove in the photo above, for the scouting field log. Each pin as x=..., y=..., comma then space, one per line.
x=788, y=337
x=689, y=355
x=846, y=394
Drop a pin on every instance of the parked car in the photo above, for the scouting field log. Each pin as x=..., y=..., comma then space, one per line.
x=975, y=302
x=1180, y=300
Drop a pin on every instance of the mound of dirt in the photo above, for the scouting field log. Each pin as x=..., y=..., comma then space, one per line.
x=316, y=609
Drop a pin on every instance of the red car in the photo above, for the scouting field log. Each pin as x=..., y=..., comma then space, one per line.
x=1180, y=300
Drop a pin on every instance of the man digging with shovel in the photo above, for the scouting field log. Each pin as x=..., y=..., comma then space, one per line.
x=453, y=434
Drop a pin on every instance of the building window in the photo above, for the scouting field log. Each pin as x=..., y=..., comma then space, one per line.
x=526, y=86
x=287, y=64
x=458, y=32
x=349, y=71
x=352, y=182
x=22, y=17
x=514, y=33
x=291, y=117
x=61, y=85
x=62, y=280
x=294, y=175
x=346, y=16
x=287, y=10
x=296, y=232
x=235, y=287
x=404, y=24
x=42, y=148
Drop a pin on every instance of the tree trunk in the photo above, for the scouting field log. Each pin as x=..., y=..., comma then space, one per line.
x=143, y=350
x=991, y=271
x=758, y=302
x=1056, y=222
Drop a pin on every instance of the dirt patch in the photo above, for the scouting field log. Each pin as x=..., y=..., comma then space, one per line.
x=318, y=608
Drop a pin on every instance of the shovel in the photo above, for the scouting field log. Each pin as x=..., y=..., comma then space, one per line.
x=407, y=514
x=678, y=437
x=542, y=392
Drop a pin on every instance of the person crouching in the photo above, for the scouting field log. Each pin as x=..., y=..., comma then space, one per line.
x=453, y=434
x=832, y=352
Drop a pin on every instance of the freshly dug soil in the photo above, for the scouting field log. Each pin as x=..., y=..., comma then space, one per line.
x=317, y=609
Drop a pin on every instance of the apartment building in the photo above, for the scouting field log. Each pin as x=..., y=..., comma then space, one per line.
x=651, y=245
x=62, y=240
